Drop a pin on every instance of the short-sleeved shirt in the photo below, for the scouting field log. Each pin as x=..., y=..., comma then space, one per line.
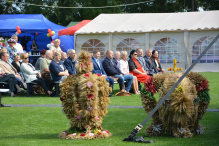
x=44, y=64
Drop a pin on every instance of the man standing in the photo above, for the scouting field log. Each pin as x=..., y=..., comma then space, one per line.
x=150, y=62
x=17, y=45
x=111, y=69
x=98, y=68
x=70, y=62
x=141, y=59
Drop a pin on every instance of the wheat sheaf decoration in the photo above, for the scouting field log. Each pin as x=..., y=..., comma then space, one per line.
x=85, y=97
x=180, y=114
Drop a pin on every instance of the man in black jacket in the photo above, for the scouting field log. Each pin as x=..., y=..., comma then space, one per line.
x=111, y=69
x=150, y=64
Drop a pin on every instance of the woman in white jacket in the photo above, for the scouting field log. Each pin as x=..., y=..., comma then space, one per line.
x=31, y=75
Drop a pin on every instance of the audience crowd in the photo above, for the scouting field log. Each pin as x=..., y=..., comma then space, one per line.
x=53, y=66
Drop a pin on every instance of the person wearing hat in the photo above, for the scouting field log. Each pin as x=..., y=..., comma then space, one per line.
x=11, y=49
x=42, y=54
x=17, y=63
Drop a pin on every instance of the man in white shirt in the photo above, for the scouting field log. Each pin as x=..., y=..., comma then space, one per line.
x=17, y=45
x=116, y=57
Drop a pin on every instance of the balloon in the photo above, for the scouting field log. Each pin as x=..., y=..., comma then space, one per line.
x=49, y=30
x=36, y=33
x=18, y=31
x=48, y=35
x=53, y=42
x=17, y=28
x=53, y=32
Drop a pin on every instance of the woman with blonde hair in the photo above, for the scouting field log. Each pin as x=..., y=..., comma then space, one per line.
x=57, y=69
x=31, y=75
x=124, y=67
x=56, y=46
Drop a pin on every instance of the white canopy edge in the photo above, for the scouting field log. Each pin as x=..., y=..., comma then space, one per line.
x=151, y=22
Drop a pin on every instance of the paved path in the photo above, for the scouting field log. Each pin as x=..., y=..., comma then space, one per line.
x=59, y=105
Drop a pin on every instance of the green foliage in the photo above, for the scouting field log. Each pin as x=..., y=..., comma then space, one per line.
x=204, y=96
x=147, y=93
x=65, y=16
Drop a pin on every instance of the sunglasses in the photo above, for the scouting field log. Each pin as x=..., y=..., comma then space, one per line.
x=26, y=58
x=135, y=54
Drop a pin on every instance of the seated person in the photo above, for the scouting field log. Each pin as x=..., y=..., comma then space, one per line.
x=34, y=46
x=63, y=57
x=150, y=62
x=17, y=63
x=116, y=57
x=135, y=67
x=31, y=75
x=11, y=49
x=42, y=55
x=124, y=68
x=112, y=70
x=70, y=62
x=2, y=51
x=57, y=69
x=12, y=82
x=141, y=59
x=56, y=46
x=98, y=68
x=9, y=69
x=44, y=67
x=155, y=57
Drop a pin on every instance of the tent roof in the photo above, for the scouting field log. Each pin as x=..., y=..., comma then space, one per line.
x=73, y=29
x=73, y=23
x=30, y=23
x=152, y=22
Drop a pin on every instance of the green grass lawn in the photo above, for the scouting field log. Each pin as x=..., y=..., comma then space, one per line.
x=134, y=100
x=41, y=125
x=27, y=126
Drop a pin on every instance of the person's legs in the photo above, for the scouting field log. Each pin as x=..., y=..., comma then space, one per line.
x=42, y=84
x=120, y=80
x=129, y=79
x=110, y=81
x=135, y=84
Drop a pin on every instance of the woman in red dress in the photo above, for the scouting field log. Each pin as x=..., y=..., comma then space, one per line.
x=135, y=67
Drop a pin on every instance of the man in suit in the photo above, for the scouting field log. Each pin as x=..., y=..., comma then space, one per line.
x=111, y=69
x=70, y=62
x=9, y=69
x=141, y=59
x=150, y=64
x=98, y=68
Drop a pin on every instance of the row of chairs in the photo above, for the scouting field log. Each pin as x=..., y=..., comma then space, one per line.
x=32, y=83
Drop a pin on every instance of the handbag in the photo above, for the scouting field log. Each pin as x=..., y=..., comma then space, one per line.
x=123, y=92
x=47, y=77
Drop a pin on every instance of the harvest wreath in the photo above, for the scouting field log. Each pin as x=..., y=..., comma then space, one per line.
x=85, y=97
x=180, y=114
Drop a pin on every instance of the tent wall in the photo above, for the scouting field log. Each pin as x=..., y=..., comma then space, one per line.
x=201, y=67
x=147, y=40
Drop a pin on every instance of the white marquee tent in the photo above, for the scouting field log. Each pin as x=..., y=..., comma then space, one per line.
x=175, y=35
